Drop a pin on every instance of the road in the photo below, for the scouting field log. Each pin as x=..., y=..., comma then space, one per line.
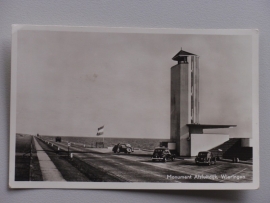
x=138, y=167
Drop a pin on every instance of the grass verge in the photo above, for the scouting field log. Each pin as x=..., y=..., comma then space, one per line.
x=23, y=160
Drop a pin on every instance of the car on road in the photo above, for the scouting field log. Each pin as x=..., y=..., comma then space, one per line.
x=126, y=148
x=205, y=157
x=162, y=154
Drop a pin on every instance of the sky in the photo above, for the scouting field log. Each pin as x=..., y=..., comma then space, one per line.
x=71, y=83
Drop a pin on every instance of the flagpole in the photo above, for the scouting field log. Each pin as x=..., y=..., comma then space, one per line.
x=100, y=132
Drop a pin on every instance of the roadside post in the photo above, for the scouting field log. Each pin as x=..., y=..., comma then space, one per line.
x=68, y=148
x=30, y=162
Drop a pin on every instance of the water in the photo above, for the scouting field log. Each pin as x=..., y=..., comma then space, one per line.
x=140, y=143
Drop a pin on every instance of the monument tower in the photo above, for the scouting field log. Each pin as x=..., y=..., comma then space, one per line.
x=184, y=99
x=186, y=131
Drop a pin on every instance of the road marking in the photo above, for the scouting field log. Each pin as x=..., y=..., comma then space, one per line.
x=239, y=171
x=211, y=168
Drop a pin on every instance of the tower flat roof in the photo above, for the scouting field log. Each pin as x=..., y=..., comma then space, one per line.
x=210, y=126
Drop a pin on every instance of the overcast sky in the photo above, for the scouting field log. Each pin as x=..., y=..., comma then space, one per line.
x=71, y=83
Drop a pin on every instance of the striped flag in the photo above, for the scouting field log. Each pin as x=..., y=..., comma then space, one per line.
x=100, y=131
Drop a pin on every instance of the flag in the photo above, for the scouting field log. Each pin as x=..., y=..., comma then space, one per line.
x=100, y=131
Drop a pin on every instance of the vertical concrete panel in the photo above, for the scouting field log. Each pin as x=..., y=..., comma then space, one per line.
x=180, y=108
x=175, y=106
x=184, y=111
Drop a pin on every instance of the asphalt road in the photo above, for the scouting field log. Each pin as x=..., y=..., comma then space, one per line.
x=138, y=167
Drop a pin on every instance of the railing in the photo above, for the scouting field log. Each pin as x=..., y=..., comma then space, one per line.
x=69, y=152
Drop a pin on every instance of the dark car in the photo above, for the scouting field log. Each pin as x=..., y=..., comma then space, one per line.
x=162, y=154
x=205, y=158
x=58, y=139
x=126, y=148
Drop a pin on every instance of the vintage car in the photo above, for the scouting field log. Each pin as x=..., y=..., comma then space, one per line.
x=205, y=157
x=126, y=148
x=58, y=139
x=162, y=154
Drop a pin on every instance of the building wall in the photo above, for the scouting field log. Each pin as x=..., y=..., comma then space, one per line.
x=204, y=142
x=184, y=109
x=179, y=103
x=175, y=106
x=246, y=142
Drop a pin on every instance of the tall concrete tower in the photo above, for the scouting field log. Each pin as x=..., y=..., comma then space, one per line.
x=184, y=99
x=186, y=131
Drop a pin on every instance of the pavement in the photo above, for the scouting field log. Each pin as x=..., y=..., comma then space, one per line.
x=48, y=169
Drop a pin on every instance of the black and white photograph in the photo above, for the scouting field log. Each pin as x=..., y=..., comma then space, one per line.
x=134, y=108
